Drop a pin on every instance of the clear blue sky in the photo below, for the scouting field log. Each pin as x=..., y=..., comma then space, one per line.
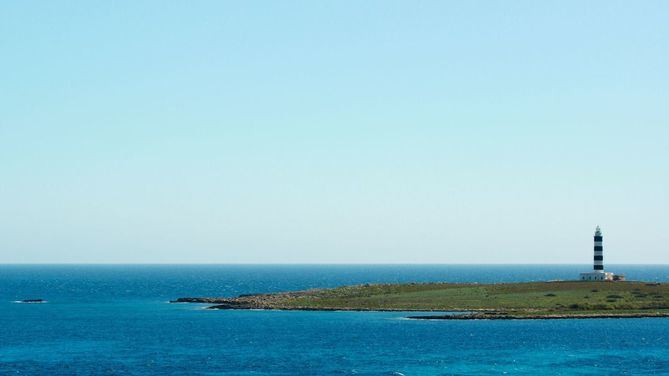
x=333, y=131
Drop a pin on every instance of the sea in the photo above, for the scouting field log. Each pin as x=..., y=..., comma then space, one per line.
x=117, y=320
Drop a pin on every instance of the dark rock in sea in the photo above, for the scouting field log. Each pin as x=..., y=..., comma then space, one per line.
x=32, y=301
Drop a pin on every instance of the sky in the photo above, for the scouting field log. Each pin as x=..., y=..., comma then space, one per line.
x=333, y=131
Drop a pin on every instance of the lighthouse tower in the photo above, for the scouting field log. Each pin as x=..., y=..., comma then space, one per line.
x=598, y=273
x=598, y=264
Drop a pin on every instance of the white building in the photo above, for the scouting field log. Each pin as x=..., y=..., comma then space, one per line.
x=597, y=276
x=598, y=273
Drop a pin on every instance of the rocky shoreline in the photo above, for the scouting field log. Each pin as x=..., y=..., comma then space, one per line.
x=246, y=303
x=504, y=316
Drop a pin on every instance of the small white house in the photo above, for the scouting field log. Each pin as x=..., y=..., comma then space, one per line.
x=597, y=276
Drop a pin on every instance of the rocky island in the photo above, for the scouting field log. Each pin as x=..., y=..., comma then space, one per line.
x=31, y=301
x=527, y=300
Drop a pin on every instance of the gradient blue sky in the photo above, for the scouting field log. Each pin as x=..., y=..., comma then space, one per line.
x=333, y=132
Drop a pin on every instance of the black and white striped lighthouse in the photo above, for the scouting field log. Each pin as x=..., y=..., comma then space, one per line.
x=598, y=264
x=598, y=274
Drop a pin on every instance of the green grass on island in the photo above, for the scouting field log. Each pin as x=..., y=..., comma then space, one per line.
x=543, y=296
x=506, y=299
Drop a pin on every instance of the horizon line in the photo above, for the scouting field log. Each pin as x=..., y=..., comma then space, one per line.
x=313, y=264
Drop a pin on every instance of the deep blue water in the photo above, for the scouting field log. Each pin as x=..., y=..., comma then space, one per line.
x=115, y=320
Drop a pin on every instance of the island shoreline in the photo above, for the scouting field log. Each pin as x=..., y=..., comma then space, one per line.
x=469, y=301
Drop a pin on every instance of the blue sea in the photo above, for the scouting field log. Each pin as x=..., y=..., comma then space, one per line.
x=116, y=320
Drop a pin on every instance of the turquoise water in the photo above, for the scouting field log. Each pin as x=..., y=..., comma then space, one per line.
x=115, y=320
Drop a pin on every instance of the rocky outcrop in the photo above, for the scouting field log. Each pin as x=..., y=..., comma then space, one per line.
x=200, y=300
x=250, y=301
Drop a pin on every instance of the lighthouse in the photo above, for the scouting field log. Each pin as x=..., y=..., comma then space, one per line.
x=598, y=263
x=598, y=273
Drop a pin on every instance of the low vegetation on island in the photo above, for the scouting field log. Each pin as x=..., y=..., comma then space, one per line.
x=530, y=300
